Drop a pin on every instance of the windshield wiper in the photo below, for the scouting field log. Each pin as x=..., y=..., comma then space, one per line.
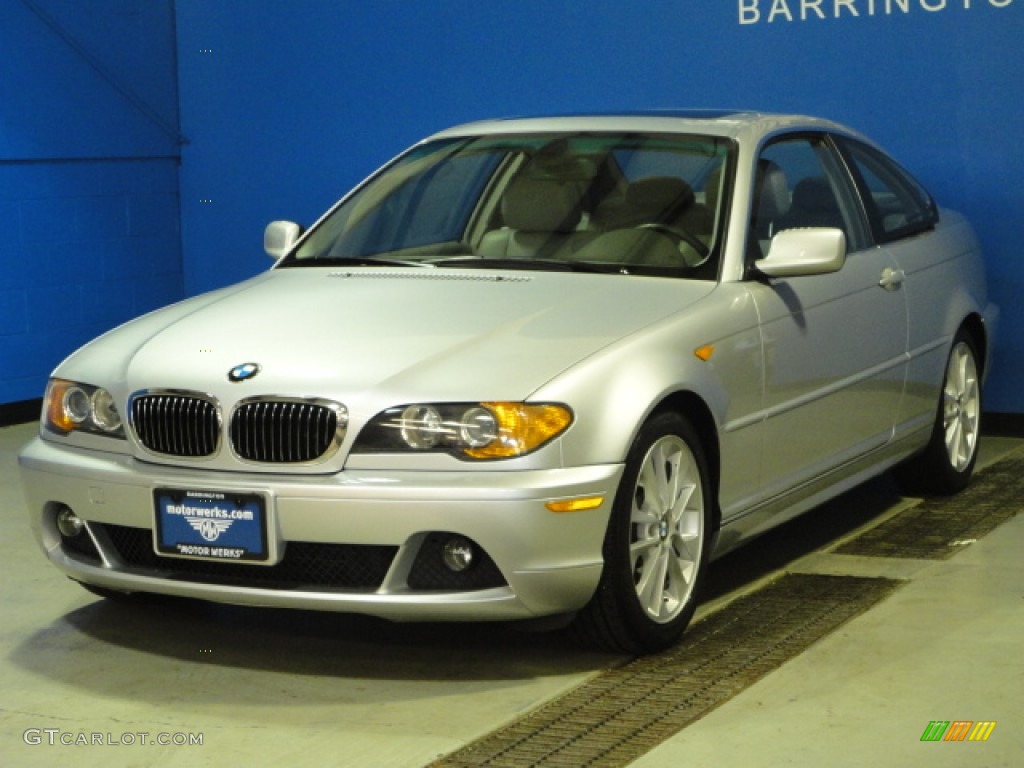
x=547, y=265
x=372, y=262
x=356, y=261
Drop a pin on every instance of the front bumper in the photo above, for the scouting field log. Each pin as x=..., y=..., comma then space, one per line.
x=549, y=563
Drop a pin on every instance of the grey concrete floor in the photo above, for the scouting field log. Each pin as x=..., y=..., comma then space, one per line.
x=947, y=646
x=272, y=688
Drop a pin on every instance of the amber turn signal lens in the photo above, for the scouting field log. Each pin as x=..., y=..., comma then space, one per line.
x=58, y=393
x=521, y=428
x=575, y=505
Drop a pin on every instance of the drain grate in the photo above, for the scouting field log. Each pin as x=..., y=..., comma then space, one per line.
x=938, y=527
x=625, y=712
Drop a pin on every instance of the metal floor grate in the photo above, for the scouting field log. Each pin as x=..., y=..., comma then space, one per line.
x=938, y=527
x=625, y=712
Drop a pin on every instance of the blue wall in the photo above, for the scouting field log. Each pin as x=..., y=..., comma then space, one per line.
x=89, y=157
x=287, y=104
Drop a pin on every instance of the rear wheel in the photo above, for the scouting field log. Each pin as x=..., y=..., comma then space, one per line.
x=656, y=546
x=947, y=463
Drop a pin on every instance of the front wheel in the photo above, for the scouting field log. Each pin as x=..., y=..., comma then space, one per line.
x=657, y=542
x=946, y=465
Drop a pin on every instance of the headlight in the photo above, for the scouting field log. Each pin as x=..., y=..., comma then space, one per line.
x=421, y=427
x=73, y=407
x=465, y=430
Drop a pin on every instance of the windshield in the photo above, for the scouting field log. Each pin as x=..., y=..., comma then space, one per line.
x=622, y=203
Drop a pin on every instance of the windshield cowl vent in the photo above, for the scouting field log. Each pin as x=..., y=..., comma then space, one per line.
x=429, y=275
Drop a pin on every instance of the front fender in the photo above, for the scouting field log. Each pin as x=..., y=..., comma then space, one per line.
x=614, y=391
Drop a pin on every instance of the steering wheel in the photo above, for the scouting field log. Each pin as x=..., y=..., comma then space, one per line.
x=680, y=236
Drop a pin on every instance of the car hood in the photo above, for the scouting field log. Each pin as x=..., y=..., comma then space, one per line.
x=434, y=334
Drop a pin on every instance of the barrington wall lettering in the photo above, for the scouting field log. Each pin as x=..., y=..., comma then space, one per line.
x=769, y=11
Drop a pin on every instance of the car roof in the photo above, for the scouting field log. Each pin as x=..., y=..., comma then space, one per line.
x=726, y=123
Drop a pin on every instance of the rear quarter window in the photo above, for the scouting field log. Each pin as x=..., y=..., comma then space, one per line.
x=897, y=205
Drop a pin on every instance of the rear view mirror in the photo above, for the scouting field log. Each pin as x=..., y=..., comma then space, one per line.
x=809, y=251
x=279, y=237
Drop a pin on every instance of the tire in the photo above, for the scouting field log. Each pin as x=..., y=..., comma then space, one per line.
x=657, y=544
x=946, y=464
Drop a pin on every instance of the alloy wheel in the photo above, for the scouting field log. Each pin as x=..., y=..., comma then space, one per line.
x=961, y=409
x=667, y=528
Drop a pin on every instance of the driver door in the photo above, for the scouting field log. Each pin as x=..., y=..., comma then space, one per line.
x=834, y=344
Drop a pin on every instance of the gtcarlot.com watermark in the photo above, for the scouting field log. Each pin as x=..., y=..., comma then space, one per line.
x=56, y=737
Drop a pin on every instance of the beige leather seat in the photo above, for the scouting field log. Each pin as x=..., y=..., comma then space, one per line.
x=640, y=224
x=650, y=200
x=540, y=217
x=813, y=205
x=772, y=202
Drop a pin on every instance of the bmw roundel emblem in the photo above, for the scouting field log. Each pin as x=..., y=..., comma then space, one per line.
x=243, y=372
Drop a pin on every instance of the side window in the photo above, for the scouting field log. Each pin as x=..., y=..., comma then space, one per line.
x=897, y=205
x=800, y=183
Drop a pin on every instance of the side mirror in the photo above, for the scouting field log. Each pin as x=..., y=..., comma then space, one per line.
x=809, y=251
x=279, y=237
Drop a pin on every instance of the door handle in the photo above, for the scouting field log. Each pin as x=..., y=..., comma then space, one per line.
x=892, y=278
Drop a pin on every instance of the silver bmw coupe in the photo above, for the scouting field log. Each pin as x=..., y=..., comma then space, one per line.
x=530, y=368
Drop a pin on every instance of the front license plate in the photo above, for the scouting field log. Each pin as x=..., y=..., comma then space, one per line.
x=212, y=525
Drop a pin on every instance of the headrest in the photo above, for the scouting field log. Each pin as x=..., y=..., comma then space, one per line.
x=655, y=199
x=814, y=194
x=658, y=197
x=772, y=191
x=541, y=205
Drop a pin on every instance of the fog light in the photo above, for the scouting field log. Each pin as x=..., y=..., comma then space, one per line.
x=68, y=523
x=458, y=554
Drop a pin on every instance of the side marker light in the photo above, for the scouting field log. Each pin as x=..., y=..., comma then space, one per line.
x=575, y=505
